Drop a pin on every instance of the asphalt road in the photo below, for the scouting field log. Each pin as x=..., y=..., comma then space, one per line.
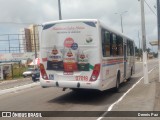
x=54, y=99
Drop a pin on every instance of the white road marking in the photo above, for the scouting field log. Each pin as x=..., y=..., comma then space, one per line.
x=15, y=89
x=121, y=98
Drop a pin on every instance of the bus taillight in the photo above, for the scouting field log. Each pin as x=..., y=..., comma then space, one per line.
x=95, y=72
x=43, y=72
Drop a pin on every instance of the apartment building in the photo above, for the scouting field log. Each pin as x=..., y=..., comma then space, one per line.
x=29, y=40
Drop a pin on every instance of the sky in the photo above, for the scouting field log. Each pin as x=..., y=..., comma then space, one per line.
x=28, y=12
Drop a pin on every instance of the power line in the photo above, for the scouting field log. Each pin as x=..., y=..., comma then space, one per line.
x=150, y=7
x=14, y=23
x=153, y=3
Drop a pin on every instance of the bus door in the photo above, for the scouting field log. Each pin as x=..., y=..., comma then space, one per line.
x=125, y=60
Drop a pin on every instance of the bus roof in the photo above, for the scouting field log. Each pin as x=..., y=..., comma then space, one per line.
x=71, y=20
x=88, y=20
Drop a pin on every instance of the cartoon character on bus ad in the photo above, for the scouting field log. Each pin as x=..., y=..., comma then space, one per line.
x=55, y=59
x=68, y=59
x=83, y=64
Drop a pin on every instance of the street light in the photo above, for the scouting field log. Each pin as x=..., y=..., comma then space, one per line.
x=59, y=8
x=34, y=37
x=139, y=47
x=121, y=19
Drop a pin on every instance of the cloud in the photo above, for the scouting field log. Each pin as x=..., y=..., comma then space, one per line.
x=39, y=11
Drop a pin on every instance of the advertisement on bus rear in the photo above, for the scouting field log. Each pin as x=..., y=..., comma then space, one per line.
x=70, y=47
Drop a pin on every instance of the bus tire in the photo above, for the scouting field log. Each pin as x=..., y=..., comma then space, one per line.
x=116, y=88
x=44, y=87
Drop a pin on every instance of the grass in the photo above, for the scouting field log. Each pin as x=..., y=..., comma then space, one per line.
x=16, y=71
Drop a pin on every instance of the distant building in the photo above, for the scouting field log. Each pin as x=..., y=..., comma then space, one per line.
x=25, y=40
x=29, y=40
x=34, y=37
x=154, y=43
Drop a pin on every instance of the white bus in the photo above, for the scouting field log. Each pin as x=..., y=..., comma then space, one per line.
x=84, y=54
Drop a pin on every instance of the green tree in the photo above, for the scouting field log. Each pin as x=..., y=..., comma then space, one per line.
x=148, y=50
x=138, y=52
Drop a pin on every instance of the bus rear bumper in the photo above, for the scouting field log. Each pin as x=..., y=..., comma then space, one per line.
x=72, y=84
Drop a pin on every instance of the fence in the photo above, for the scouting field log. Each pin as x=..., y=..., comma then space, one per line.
x=19, y=43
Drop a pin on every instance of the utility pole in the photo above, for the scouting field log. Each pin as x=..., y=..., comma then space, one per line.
x=158, y=19
x=139, y=47
x=59, y=8
x=145, y=66
x=121, y=23
x=34, y=37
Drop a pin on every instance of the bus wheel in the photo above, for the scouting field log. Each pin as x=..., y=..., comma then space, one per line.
x=44, y=86
x=116, y=89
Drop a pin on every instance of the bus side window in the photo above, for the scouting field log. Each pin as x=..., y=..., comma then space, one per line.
x=114, y=45
x=128, y=48
x=131, y=48
x=119, y=46
x=105, y=43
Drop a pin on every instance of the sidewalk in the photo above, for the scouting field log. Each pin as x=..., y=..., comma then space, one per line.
x=6, y=84
x=10, y=86
x=143, y=97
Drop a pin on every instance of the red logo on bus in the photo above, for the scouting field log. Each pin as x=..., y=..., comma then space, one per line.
x=68, y=42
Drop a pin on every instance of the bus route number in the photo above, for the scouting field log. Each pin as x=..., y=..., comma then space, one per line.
x=81, y=78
